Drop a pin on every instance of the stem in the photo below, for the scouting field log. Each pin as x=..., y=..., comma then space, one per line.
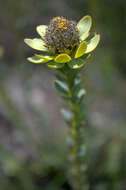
x=77, y=148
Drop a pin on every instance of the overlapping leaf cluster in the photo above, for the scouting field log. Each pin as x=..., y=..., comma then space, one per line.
x=69, y=87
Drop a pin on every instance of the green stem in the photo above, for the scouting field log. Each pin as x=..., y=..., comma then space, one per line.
x=74, y=98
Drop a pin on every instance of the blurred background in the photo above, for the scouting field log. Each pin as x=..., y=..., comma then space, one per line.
x=33, y=146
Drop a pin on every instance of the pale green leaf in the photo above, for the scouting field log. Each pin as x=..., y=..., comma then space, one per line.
x=79, y=62
x=61, y=78
x=92, y=44
x=55, y=65
x=84, y=36
x=81, y=93
x=62, y=58
x=76, y=63
x=35, y=59
x=84, y=26
x=45, y=57
x=36, y=43
x=62, y=88
x=67, y=115
x=81, y=49
x=41, y=29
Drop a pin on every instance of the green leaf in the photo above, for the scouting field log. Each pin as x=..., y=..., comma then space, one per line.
x=82, y=152
x=92, y=44
x=81, y=112
x=81, y=94
x=62, y=58
x=90, y=37
x=67, y=115
x=45, y=57
x=35, y=59
x=77, y=81
x=84, y=36
x=81, y=49
x=36, y=43
x=53, y=65
x=62, y=88
x=77, y=84
x=61, y=78
x=76, y=63
x=41, y=29
x=84, y=26
x=86, y=56
x=79, y=62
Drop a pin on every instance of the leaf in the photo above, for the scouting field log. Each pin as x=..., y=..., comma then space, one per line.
x=81, y=49
x=84, y=26
x=81, y=94
x=77, y=84
x=61, y=78
x=79, y=62
x=62, y=88
x=82, y=152
x=35, y=59
x=90, y=37
x=78, y=95
x=53, y=65
x=92, y=44
x=67, y=115
x=45, y=57
x=41, y=29
x=84, y=36
x=86, y=56
x=81, y=112
x=36, y=43
x=77, y=81
x=76, y=63
x=62, y=58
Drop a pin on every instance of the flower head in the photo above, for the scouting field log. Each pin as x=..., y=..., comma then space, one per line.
x=61, y=35
x=65, y=41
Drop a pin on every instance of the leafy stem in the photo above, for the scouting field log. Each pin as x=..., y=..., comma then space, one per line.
x=69, y=87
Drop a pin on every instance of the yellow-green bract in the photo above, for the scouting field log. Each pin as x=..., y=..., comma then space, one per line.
x=75, y=58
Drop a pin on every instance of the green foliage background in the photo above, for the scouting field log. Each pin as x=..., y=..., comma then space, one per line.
x=33, y=146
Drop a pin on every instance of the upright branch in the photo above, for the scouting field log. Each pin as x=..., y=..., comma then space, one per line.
x=68, y=46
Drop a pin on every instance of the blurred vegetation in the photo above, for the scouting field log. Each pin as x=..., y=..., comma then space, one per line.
x=33, y=146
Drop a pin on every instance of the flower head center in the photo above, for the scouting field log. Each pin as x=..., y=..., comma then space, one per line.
x=61, y=35
x=61, y=23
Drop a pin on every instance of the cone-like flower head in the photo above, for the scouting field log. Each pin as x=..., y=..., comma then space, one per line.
x=61, y=35
x=65, y=41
